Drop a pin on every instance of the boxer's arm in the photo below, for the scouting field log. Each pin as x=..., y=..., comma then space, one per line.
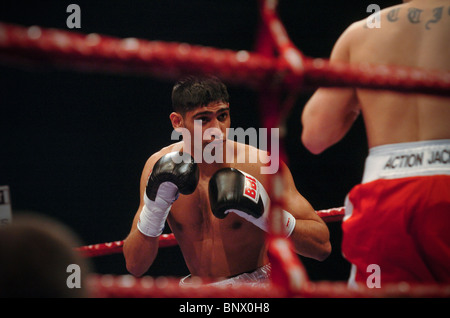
x=140, y=250
x=310, y=236
x=234, y=191
x=170, y=175
x=330, y=112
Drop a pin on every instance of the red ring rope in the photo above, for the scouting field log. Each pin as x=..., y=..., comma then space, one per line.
x=168, y=240
x=171, y=60
x=102, y=249
x=127, y=286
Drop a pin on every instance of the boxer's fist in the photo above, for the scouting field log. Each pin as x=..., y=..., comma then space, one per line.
x=232, y=190
x=166, y=181
x=182, y=176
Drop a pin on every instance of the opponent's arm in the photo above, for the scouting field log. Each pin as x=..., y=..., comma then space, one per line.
x=330, y=112
x=161, y=183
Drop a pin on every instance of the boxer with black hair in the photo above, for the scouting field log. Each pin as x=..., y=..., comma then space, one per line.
x=217, y=211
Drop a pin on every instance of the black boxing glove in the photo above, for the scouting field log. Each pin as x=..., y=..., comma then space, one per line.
x=167, y=180
x=232, y=190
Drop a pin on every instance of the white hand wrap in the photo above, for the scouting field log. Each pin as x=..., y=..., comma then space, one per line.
x=154, y=214
x=287, y=221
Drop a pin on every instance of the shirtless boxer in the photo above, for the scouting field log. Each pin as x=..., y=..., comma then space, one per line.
x=221, y=236
x=399, y=216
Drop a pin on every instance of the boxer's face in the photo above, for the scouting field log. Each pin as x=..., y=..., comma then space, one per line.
x=212, y=120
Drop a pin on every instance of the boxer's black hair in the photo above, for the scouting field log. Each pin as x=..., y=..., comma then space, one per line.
x=192, y=92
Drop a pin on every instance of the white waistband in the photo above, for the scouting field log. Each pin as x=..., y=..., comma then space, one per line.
x=422, y=158
x=259, y=276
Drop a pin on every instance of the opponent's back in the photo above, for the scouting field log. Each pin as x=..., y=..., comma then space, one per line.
x=414, y=34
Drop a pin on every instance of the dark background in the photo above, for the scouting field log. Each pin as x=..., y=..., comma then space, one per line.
x=73, y=144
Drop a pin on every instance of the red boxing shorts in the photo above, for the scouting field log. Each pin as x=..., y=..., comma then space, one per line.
x=398, y=218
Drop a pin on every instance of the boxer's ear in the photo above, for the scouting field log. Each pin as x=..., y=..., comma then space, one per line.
x=177, y=120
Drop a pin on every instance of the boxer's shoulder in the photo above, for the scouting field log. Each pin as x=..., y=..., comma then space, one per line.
x=164, y=151
x=248, y=154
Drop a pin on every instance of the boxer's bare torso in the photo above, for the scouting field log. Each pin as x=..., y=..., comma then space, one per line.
x=212, y=247
x=215, y=247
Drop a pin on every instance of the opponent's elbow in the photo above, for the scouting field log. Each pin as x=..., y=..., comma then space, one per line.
x=312, y=143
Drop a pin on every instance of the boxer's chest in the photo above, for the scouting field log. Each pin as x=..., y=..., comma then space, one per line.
x=192, y=213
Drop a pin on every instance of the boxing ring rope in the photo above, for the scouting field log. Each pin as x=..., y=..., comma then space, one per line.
x=102, y=249
x=168, y=240
x=274, y=68
x=93, y=52
x=127, y=286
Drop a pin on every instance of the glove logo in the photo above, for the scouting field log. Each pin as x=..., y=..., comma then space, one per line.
x=251, y=188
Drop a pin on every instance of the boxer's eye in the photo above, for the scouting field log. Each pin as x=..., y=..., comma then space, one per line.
x=203, y=119
x=222, y=117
